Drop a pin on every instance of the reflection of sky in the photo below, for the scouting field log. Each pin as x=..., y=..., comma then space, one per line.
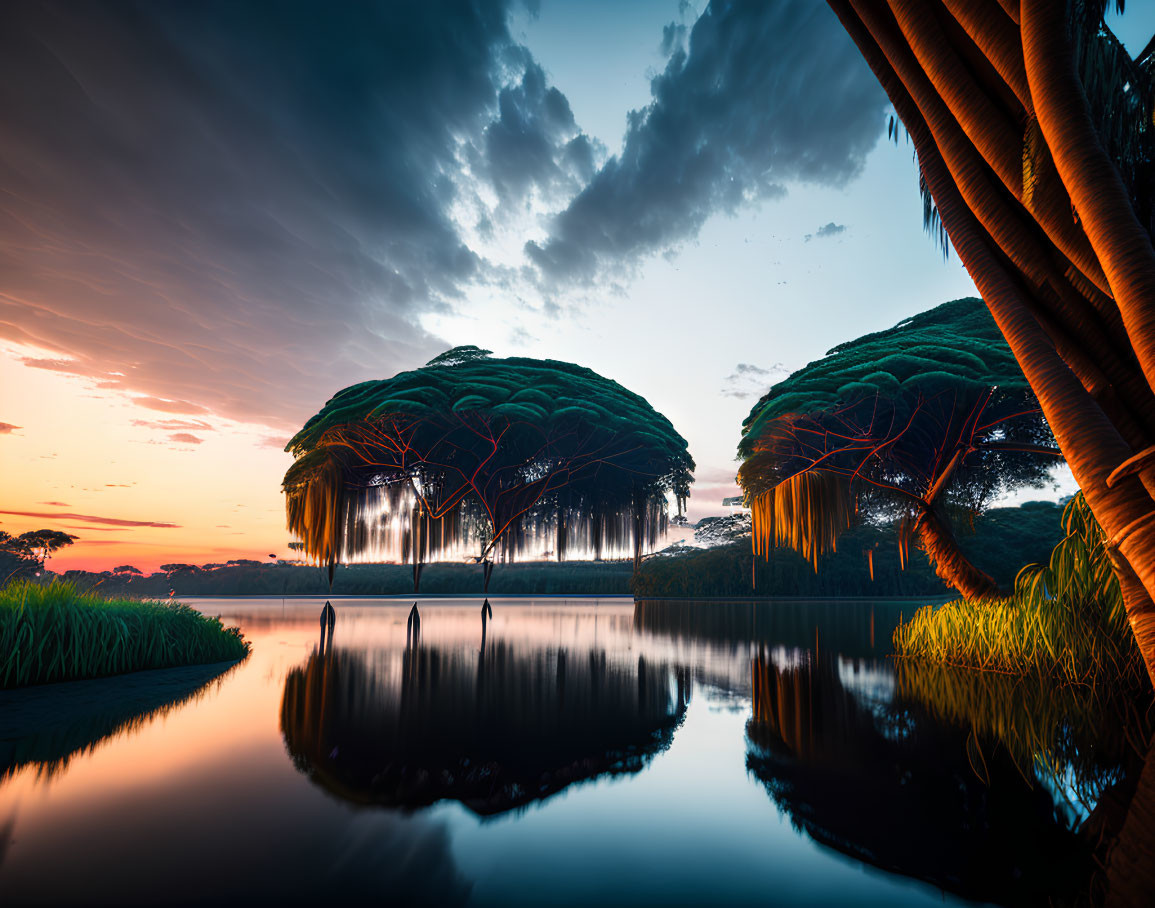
x=210, y=787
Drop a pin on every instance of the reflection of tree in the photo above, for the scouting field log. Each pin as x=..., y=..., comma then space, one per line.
x=59, y=721
x=495, y=734
x=1086, y=743
x=900, y=793
x=860, y=630
x=1045, y=726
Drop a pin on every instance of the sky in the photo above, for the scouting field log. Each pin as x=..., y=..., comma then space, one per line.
x=214, y=216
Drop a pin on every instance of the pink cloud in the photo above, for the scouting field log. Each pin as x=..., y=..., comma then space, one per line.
x=174, y=425
x=169, y=406
x=68, y=366
x=7, y=428
x=88, y=518
x=185, y=438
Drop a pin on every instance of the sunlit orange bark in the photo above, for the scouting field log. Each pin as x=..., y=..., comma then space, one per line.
x=994, y=257
x=995, y=35
x=936, y=539
x=1119, y=240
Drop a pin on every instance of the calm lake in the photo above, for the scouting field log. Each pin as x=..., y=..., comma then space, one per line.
x=581, y=752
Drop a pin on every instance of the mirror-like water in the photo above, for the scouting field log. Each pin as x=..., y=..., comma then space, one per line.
x=581, y=751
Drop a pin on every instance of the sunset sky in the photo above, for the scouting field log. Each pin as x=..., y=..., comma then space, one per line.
x=213, y=216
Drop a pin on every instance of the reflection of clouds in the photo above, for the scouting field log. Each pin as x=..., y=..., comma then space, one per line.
x=871, y=682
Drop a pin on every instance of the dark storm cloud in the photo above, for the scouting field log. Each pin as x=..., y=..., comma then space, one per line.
x=764, y=94
x=243, y=206
x=535, y=142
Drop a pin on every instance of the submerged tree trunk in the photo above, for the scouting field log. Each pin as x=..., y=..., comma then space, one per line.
x=938, y=541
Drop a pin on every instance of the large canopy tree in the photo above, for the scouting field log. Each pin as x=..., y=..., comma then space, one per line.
x=1033, y=131
x=473, y=455
x=927, y=420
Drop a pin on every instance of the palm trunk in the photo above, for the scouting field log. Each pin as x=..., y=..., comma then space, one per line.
x=997, y=39
x=1121, y=244
x=1131, y=861
x=1092, y=445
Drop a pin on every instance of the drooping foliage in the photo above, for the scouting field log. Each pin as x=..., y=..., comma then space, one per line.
x=925, y=423
x=484, y=457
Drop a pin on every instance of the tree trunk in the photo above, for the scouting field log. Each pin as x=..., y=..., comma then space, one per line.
x=1131, y=861
x=1091, y=443
x=938, y=541
x=1121, y=244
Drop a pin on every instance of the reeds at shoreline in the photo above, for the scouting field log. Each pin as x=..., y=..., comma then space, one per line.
x=54, y=632
x=1065, y=620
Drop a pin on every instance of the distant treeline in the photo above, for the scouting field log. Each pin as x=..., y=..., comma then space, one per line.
x=1004, y=540
x=609, y=578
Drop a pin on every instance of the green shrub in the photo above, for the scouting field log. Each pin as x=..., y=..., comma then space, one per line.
x=54, y=632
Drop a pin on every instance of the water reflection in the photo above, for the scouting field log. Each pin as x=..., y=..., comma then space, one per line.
x=1090, y=749
x=904, y=794
x=495, y=729
x=45, y=727
x=807, y=767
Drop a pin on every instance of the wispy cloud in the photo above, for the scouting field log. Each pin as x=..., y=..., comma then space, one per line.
x=6, y=428
x=185, y=438
x=169, y=406
x=829, y=229
x=89, y=518
x=163, y=241
x=749, y=380
x=174, y=425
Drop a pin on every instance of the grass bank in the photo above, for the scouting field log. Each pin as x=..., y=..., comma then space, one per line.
x=1065, y=621
x=55, y=632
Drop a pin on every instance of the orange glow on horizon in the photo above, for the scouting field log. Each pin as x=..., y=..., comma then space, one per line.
x=79, y=452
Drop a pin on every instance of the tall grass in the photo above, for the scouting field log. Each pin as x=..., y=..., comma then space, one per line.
x=1065, y=620
x=54, y=632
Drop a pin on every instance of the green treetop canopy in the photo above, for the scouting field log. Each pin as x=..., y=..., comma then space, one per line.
x=930, y=416
x=510, y=454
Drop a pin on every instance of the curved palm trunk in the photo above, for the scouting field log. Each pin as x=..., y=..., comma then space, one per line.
x=991, y=244
x=1121, y=244
x=938, y=541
